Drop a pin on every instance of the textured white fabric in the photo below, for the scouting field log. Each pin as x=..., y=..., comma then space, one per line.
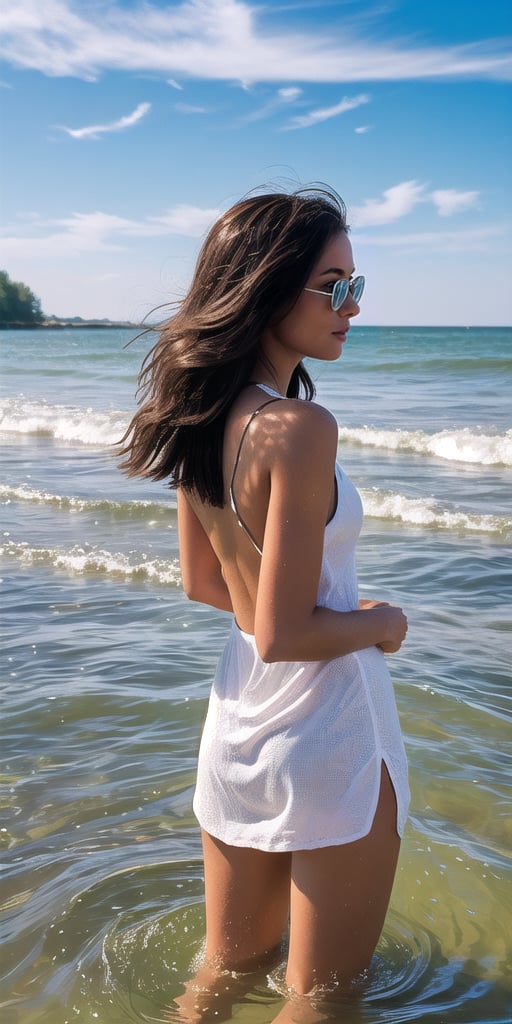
x=291, y=753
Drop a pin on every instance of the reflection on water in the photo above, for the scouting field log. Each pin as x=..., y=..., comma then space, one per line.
x=102, y=906
x=112, y=954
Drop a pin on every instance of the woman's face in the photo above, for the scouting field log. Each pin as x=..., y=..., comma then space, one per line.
x=312, y=328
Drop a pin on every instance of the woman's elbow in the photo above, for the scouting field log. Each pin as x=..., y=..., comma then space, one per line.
x=271, y=647
x=192, y=587
x=268, y=656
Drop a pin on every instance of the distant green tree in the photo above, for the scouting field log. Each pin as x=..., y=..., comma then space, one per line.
x=18, y=304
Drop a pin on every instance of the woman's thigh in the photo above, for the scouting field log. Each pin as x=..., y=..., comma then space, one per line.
x=247, y=903
x=339, y=899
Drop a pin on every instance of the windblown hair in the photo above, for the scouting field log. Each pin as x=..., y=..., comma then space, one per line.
x=252, y=267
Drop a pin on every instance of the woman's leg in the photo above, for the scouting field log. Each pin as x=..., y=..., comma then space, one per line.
x=247, y=904
x=339, y=899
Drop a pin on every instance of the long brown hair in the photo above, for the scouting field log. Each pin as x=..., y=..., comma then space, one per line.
x=252, y=267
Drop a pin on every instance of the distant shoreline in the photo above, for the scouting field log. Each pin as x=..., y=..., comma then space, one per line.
x=105, y=324
x=127, y=325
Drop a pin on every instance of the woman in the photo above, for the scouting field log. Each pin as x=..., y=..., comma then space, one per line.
x=302, y=783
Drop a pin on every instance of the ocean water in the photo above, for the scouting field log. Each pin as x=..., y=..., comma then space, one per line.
x=107, y=668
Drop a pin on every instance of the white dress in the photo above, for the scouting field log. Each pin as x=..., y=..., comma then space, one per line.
x=291, y=752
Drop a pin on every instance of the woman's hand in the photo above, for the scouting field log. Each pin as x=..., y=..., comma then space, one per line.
x=395, y=622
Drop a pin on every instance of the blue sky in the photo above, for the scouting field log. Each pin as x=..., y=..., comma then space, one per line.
x=128, y=126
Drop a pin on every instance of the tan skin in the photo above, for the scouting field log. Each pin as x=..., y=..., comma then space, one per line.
x=336, y=897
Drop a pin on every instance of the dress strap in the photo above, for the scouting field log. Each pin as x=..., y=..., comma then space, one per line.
x=232, y=501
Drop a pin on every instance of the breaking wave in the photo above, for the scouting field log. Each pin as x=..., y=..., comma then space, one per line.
x=88, y=426
x=468, y=444
x=79, y=560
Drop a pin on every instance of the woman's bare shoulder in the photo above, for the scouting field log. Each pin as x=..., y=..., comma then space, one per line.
x=298, y=427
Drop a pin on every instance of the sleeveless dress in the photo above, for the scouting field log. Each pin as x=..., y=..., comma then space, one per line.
x=291, y=752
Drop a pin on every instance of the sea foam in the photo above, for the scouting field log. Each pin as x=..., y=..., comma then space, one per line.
x=378, y=504
x=133, y=508
x=468, y=444
x=84, y=426
x=104, y=428
x=89, y=560
x=426, y=512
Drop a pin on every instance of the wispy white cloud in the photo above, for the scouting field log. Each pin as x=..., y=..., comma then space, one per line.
x=225, y=40
x=450, y=201
x=183, y=219
x=189, y=108
x=94, y=130
x=324, y=113
x=283, y=98
x=362, y=129
x=396, y=202
x=175, y=84
x=461, y=240
x=290, y=94
x=99, y=231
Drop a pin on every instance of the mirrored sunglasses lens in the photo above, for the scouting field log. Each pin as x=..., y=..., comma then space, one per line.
x=357, y=288
x=339, y=294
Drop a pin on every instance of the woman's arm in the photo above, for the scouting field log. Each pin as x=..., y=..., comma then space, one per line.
x=289, y=626
x=200, y=568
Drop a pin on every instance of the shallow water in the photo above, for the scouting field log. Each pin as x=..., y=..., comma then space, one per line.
x=106, y=671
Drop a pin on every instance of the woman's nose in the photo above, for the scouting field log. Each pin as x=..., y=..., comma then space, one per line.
x=350, y=307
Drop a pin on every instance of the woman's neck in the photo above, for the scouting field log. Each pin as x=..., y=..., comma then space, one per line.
x=277, y=382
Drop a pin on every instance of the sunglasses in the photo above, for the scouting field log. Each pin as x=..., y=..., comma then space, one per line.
x=340, y=291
